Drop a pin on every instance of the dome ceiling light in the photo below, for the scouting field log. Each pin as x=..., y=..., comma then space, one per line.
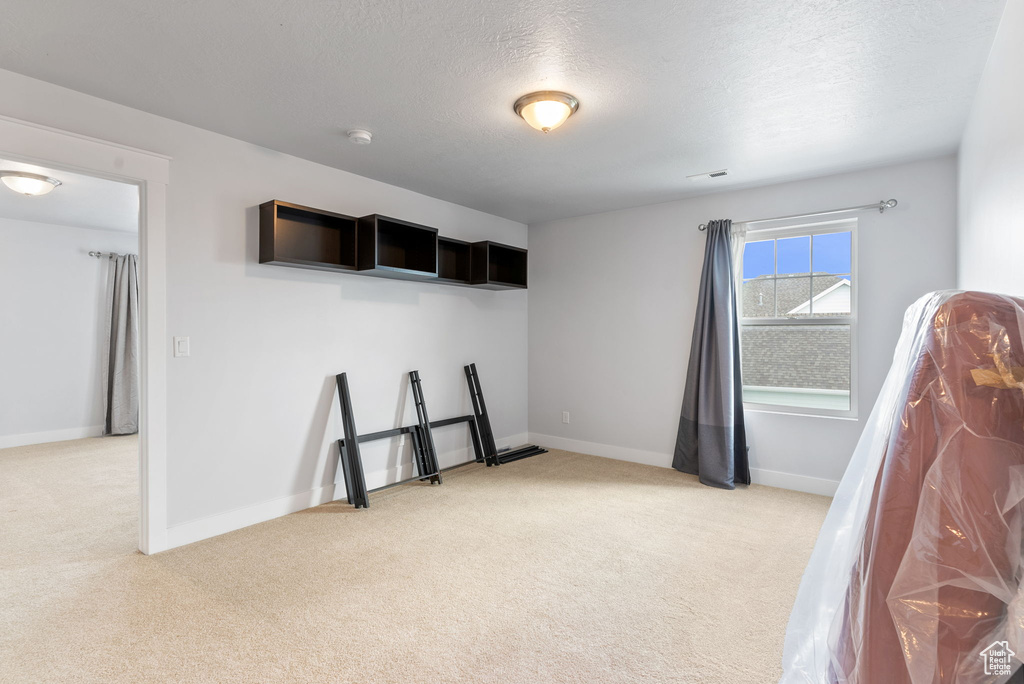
x=26, y=183
x=546, y=110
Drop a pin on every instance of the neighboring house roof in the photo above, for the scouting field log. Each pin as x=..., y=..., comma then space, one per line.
x=790, y=290
x=835, y=299
x=804, y=356
x=797, y=356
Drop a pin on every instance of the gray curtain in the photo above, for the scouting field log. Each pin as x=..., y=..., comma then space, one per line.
x=121, y=370
x=712, y=441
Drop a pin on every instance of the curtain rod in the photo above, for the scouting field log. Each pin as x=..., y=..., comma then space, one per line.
x=880, y=206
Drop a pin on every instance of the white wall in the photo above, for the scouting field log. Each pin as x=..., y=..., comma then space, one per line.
x=991, y=231
x=613, y=300
x=53, y=299
x=253, y=411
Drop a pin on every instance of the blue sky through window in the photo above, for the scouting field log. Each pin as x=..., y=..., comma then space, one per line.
x=831, y=255
x=794, y=254
x=758, y=259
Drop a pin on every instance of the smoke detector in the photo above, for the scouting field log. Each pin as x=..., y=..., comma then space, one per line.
x=708, y=174
x=358, y=136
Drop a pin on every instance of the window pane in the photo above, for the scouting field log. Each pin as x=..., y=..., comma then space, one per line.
x=804, y=366
x=793, y=296
x=794, y=255
x=758, y=259
x=831, y=295
x=759, y=298
x=832, y=253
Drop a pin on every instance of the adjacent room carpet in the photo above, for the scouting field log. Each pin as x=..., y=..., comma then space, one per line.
x=557, y=568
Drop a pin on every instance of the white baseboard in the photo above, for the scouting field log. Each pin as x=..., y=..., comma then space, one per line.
x=222, y=523
x=513, y=441
x=768, y=478
x=652, y=458
x=26, y=439
x=204, y=528
x=797, y=483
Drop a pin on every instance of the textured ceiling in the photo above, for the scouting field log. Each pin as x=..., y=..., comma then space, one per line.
x=80, y=201
x=667, y=88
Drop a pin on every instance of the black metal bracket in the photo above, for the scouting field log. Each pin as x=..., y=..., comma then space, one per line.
x=491, y=453
x=422, y=438
x=351, y=462
x=424, y=453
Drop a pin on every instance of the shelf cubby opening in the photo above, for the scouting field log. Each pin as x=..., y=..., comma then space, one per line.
x=404, y=250
x=507, y=265
x=295, y=235
x=406, y=247
x=498, y=267
x=453, y=259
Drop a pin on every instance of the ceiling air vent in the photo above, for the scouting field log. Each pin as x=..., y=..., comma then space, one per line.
x=709, y=174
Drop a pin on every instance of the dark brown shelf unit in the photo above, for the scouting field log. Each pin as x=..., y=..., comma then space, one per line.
x=392, y=248
x=453, y=261
x=303, y=237
x=498, y=267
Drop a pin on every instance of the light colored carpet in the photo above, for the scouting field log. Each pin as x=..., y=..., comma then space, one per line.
x=557, y=568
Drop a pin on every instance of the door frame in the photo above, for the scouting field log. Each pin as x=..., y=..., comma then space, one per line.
x=24, y=141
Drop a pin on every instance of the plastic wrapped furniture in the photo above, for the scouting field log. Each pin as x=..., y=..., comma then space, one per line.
x=917, y=568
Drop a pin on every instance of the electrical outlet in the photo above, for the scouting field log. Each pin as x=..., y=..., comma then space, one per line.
x=565, y=417
x=181, y=346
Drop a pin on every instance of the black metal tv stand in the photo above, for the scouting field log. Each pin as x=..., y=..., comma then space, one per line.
x=424, y=453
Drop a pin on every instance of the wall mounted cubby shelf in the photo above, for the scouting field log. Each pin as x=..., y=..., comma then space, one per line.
x=375, y=245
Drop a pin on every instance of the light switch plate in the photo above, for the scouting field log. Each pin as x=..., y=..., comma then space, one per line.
x=180, y=346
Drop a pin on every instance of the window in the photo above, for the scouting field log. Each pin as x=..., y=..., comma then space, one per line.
x=798, y=309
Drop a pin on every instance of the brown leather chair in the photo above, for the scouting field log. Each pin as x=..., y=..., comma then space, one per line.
x=941, y=551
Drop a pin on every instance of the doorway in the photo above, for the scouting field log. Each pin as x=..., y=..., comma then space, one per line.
x=69, y=350
x=61, y=152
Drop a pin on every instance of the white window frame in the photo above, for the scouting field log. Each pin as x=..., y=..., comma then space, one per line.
x=790, y=229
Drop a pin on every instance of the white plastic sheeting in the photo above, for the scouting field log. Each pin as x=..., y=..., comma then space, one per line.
x=917, y=568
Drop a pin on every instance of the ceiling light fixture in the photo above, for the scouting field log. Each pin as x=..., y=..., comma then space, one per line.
x=26, y=183
x=546, y=110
